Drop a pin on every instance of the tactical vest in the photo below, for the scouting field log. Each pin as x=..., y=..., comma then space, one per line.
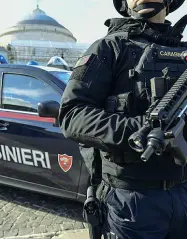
x=152, y=71
x=155, y=69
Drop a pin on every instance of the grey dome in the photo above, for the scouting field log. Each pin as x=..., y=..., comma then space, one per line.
x=39, y=17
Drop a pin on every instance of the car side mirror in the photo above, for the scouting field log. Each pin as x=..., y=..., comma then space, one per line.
x=48, y=109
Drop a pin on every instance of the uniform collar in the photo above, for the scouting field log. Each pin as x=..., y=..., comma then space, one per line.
x=127, y=23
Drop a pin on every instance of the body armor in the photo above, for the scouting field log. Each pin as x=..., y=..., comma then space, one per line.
x=151, y=77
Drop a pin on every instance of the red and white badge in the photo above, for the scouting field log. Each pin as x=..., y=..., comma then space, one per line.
x=65, y=162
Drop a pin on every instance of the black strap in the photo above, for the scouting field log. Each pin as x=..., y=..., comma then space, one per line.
x=178, y=28
x=96, y=169
x=161, y=39
x=103, y=190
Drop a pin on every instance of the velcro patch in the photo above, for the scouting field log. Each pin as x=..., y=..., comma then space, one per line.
x=84, y=60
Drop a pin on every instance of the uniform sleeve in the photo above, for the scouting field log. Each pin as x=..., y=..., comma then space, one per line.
x=83, y=117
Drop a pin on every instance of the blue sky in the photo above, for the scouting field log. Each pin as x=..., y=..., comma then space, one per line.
x=85, y=18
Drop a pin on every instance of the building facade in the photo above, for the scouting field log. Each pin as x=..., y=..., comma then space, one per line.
x=39, y=37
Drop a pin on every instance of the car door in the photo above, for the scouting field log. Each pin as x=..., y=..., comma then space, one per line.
x=32, y=148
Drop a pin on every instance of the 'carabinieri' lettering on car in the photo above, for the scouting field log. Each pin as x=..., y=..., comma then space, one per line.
x=25, y=156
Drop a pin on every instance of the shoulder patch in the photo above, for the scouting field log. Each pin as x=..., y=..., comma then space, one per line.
x=84, y=60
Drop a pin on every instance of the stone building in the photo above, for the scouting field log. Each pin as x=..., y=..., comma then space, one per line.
x=39, y=37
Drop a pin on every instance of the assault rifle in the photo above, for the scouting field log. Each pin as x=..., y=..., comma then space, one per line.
x=165, y=121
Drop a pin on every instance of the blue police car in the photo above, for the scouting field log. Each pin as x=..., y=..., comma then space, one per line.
x=34, y=154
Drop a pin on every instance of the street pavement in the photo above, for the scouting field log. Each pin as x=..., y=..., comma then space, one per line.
x=25, y=214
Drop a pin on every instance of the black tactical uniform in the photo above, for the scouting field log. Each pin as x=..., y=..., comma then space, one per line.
x=99, y=111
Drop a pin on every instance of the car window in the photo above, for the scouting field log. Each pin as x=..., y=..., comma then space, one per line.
x=23, y=93
x=63, y=76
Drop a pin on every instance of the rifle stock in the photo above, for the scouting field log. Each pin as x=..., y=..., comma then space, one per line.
x=92, y=214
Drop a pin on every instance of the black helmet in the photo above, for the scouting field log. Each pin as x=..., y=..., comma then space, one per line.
x=122, y=8
x=175, y=5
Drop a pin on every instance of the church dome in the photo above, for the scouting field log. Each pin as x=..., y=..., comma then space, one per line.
x=39, y=17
